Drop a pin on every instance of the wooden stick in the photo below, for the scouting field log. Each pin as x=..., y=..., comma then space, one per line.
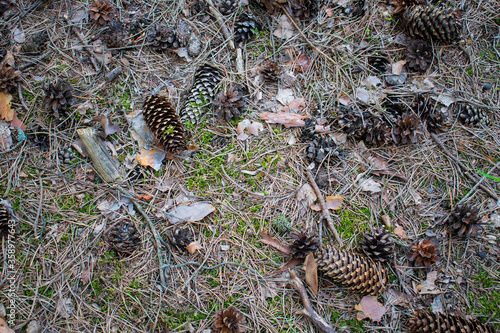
x=324, y=210
x=223, y=26
x=308, y=310
x=464, y=168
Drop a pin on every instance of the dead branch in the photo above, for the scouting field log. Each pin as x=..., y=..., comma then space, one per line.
x=308, y=310
x=220, y=20
x=325, y=213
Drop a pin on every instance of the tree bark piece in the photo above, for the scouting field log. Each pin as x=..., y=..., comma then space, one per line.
x=103, y=163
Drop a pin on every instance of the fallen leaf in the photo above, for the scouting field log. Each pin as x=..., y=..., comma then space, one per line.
x=5, y=136
x=285, y=96
x=285, y=29
x=270, y=290
x=437, y=305
x=266, y=239
x=399, y=231
x=80, y=147
x=429, y=285
x=190, y=213
x=446, y=99
x=87, y=274
x=151, y=157
x=287, y=119
x=311, y=268
x=108, y=126
x=329, y=12
x=290, y=264
x=306, y=195
x=397, y=67
x=398, y=298
x=5, y=111
x=145, y=197
x=4, y=328
x=332, y=202
x=138, y=128
x=16, y=122
x=345, y=100
x=164, y=185
x=183, y=53
x=369, y=185
x=193, y=247
x=370, y=308
x=371, y=81
x=322, y=128
x=304, y=63
x=295, y=106
x=78, y=16
x=387, y=220
x=251, y=127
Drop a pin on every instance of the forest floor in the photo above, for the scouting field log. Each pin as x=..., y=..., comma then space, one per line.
x=70, y=280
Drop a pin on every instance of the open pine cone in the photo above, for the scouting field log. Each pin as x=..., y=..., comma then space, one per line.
x=470, y=115
x=101, y=11
x=116, y=35
x=4, y=222
x=419, y=55
x=229, y=104
x=379, y=62
x=465, y=221
x=229, y=320
x=303, y=9
x=408, y=129
x=123, y=237
x=270, y=70
x=353, y=122
x=162, y=38
x=434, y=120
x=58, y=98
x=378, y=245
x=378, y=133
x=180, y=238
x=303, y=243
x=227, y=7
x=9, y=77
x=244, y=28
x=430, y=322
x=423, y=253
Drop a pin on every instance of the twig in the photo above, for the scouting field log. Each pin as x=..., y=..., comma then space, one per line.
x=463, y=167
x=477, y=184
x=13, y=148
x=82, y=39
x=324, y=210
x=220, y=20
x=308, y=310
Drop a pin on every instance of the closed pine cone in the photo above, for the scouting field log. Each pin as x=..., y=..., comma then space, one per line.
x=101, y=11
x=357, y=272
x=123, y=237
x=163, y=121
x=4, y=222
x=378, y=245
x=227, y=7
x=303, y=243
x=229, y=104
x=434, y=120
x=408, y=129
x=423, y=253
x=379, y=62
x=270, y=70
x=432, y=23
x=429, y=322
x=470, y=115
x=115, y=35
x=229, y=320
x=419, y=55
x=58, y=98
x=180, y=238
x=244, y=29
x=9, y=77
x=162, y=38
x=465, y=221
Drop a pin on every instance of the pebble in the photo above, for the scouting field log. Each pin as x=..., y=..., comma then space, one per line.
x=395, y=80
x=487, y=86
x=34, y=327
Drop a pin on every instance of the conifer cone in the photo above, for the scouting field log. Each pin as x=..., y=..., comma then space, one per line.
x=180, y=238
x=229, y=320
x=202, y=93
x=9, y=77
x=227, y=7
x=101, y=11
x=4, y=222
x=423, y=253
x=229, y=104
x=304, y=242
x=470, y=115
x=58, y=98
x=137, y=26
x=408, y=129
x=429, y=322
x=378, y=245
x=379, y=63
x=36, y=43
x=5, y=5
x=353, y=122
x=434, y=120
x=432, y=23
x=357, y=272
x=303, y=9
x=270, y=70
x=115, y=36
x=419, y=55
x=163, y=121
x=378, y=133
x=244, y=29
x=465, y=221
x=123, y=237
x=162, y=38
x=356, y=9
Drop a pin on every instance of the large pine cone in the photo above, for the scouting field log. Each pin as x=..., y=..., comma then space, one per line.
x=408, y=129
x=378, y=245
x=419, y=55
x=434, y=120
x=228, y=320
x=470, y=115
x=9, y=77
x=101, y=11
x=123, y=237
x=180, y=238
x=357, y=272
x=202, y=93
x=270, y=70
x=115, y=36
x=429, y=322
x=4, y=222
x=465, y=221
x=58, y=98
x=378, y=133
x=432, y=23
x=423, y=253
x=229, y=104
x=303, y=243
x=244, y=29
x=163, y=121
x=162, y=38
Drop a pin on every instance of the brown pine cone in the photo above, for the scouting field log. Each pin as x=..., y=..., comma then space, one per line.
x=162, y=38
x=436, y=23
x=378, y=133
x=470, y=115
x=465, y=221
x=303, y=243
x=429, y=322
x=229, y=104
x=227, y=7
x=229, y=320
x=419, y=55
x=423, y=253
x=270, y=70
x=435, y=121
x=115, y=36
x=123, y=237
x=9, y=77
x=180, y=238
x=303, y=9
x=408, y=129
x=378, y=245
x=58, y=98
x=4, y=222
x=101, y=11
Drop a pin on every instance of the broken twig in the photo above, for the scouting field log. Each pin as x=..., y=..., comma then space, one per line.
x=220, y=20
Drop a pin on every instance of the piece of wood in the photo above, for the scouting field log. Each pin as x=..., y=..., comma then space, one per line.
x=103, y=163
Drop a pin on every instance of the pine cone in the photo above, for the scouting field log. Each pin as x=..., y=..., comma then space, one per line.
x=378, y=133
x=36, y=43
x=228, y=320
x=244, y=29
x=9, y=77
x=4, y=222
x=202, y=93
x=357, y=272
x=101, y=11
x=58, y=98
x=429, y=322
x=162, y=38
x=432, y=23
x=435, y=120
x=470, y=115
x=423, y=253
x=5, y=5
x=123, y=237
x=303, y=9
x=115, y=36
x=39, y=139
x=419, y=55
x=180, y=238
x=163, y=121
x=356, y=9
x=353, y=122
x=378, y=245
x=303, y=243
x=229, y=104
x=408, y=129
x=465, y=221
x=138, y=26
x=270, y=70
x=227, y=7
x=380, y=63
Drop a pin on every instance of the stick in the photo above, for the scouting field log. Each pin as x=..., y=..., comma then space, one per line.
x=110, y=76
x=82, y=39
x=324, y=210
x=463, y=167
x=220, y=20
x=308, y=310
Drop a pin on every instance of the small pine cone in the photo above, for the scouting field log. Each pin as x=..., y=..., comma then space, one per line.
x=244, y=29
x=408, y=129
x=9, y=77
x=163, y=121
x=419, y=55
x=115, y=36
x=138, y=26
x=229, y=104
x=4, y=222
x=123, y=237
x=304, y=242
x=303, y=9
x=101, y=11
x=379, y=63
x=430, y=322
x=378, y=245
x=423, y=253
x=354, y=122
x=270, y=70
x=202, y=93
x=470, y=115
x=67, y=155
x=180, y=238
x=227, y=7
x=182, y=32
x=465, y=221
x=434, y=120
x=5, y=5
x=357, y=272
x=356, y=9
x=229, y=320
x=36, y=43
x=378, y=133
x=162, y=38
x=58, y=98
x=432, y=23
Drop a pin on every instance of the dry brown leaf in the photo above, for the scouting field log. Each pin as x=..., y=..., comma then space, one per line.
x=398, y=298
x=287, y=119
x=311, y=268
x=400, y=232
x=266, y=239
x=151, y=157
x=370, y=308
x=332, y=202
x=5, y=111
x=306, y=195
x=397, y=67
x=429, y=285
x=87, y=275
x=290, y=264
x=4, y=328
x=387, y=220
x=285, y=29
x=107, y=125
x=5, y=136
x=304, y=63
x=193, y=247
x=145, y=197
x=16, y=122
x=295, y=106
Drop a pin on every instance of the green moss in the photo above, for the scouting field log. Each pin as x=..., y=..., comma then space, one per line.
x=353, y=223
